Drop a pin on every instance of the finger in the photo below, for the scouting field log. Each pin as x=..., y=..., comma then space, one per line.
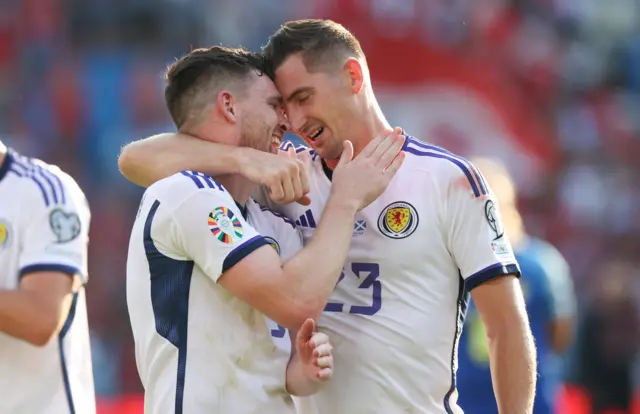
x=395, y=165
x=324, y=374
x=390, y=153
x=276, y=192
x=347, y=154
x=304, y=201
x=304, y=155
x=371, y=147
x=386, y=143
x=291, y=152
x=324, y=362
x=318, y=339
x=287, y=187
x=307, y=329
x=322, y=350
x=296, y=182
x=304, y=179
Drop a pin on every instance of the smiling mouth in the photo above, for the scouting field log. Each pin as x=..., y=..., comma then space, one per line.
x=315, y=134
x=276, y=139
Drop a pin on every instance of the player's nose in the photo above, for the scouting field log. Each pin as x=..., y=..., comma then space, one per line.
x=296, y=120
x=283, y=121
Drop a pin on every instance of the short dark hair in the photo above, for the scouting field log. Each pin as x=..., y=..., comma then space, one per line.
x=194, y=78
x=322, y=43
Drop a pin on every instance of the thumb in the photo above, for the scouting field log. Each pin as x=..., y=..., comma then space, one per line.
x=347, y=153
x=291, y=152
x=306, y=330
x=304, y=201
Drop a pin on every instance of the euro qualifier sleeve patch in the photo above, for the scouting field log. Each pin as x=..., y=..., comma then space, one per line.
x=224, y=225
x=65, y=226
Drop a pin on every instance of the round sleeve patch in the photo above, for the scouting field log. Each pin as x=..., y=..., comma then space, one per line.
x=225, y=225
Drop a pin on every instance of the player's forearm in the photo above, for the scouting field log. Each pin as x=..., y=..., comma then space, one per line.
x=513, y=368
x=315, y=270
x=297, y=383
x=151, y=159
x=23, y=315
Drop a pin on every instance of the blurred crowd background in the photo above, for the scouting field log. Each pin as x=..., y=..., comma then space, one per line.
x=550, y=87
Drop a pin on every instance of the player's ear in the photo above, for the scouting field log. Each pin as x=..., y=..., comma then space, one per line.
x=227, y=106
x=354, y=75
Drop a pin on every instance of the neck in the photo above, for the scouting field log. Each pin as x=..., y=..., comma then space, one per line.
x=239, y=187
x=373, y=123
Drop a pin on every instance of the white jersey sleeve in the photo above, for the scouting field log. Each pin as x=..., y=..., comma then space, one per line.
x=210, y=229
x=55, y=228
x=476, y=235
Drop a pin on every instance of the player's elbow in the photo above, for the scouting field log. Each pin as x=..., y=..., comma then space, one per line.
x=127, y=162
x=43, y=331
x=125, y=159
x=298, y=311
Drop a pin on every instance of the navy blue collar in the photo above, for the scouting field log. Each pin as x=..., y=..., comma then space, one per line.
x=6, y=164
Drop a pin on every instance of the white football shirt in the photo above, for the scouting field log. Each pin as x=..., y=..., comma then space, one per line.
x=198, y=348
x=396, y=314
x=44, y=224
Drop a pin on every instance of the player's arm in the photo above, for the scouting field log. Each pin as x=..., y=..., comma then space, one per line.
x=483, y=254
x=52, y=267
x=252, y=271
x=561, y=303
x=151, y=159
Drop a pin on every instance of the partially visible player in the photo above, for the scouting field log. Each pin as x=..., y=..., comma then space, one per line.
x=548, y=292
x=45, y=357
x=428, y=241
x=204, y=271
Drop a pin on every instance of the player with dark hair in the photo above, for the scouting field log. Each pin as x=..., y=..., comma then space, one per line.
x=209, y=298
x=434, y=236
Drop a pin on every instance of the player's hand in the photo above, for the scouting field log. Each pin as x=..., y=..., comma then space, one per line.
x=366, y=176
x=284, y=175
x=314, y=352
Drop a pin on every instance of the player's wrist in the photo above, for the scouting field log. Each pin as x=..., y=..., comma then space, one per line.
x=345, y=204
x=242, y=158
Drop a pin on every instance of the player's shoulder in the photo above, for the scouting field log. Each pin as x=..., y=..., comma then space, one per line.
x=177, y=188
x=444, y=166
x=41, y=184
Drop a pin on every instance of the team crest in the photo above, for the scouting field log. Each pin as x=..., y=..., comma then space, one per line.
x=224, y=225
x=5, y=234
x=398, y=220
x=273, y=243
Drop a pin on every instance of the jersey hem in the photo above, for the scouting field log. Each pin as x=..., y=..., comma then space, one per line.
x=243, y=251
x=49, y=267
x=491, y=272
